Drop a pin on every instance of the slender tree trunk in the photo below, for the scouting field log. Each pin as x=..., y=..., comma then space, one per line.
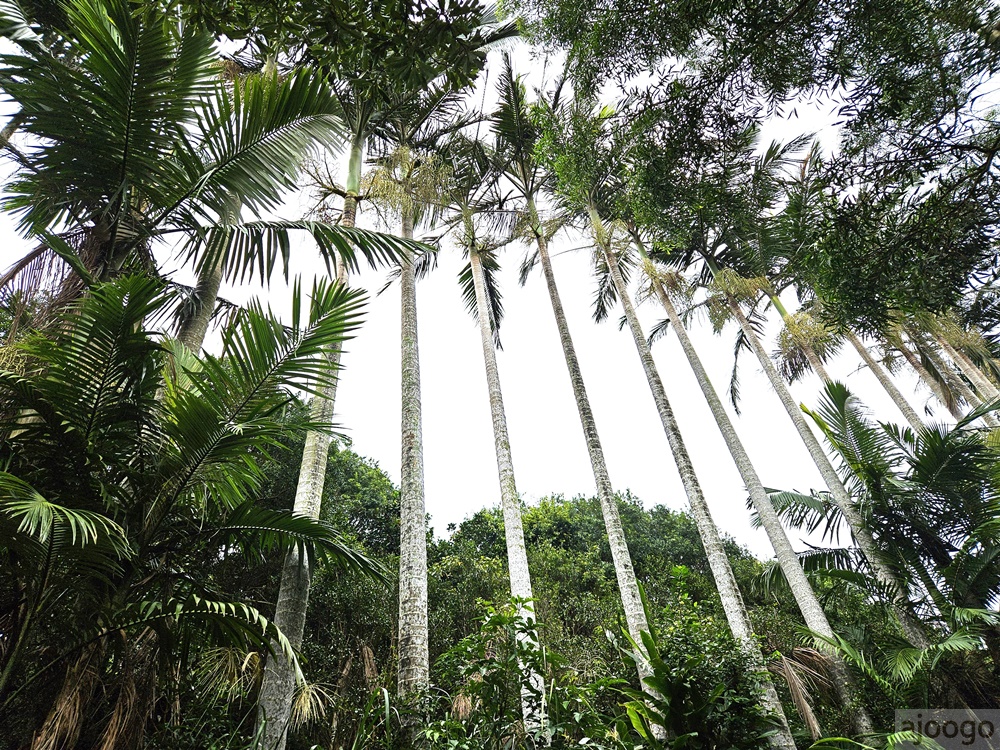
x=414, y=669
x=517, y=556
x=278, y=687
x=812, y=612
x=883, y=377
x=635, y=617
x=15, y=122
x=194, y=328
x=987, y=391
x=929, y=381
x=911, y=627
x=809, y=605
x=722, y=572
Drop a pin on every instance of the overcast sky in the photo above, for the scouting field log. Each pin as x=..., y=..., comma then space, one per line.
x=550, y=456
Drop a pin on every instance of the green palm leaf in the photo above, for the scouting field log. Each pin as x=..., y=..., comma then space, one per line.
x=228, y=406
x=258, y=246
x=263, y=532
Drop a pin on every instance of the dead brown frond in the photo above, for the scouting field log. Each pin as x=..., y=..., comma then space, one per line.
x=65, y=719
x=461, y=707
x=805, y=669
x=368, y=657
x=345, y=673
x=135, y=678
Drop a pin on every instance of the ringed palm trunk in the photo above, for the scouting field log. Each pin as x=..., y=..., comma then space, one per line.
x=517, y=557
x=805, y=597
x=206, y=292
x=635, y=617
x=722, y=572
x=809, y=605
x=883, y=377
x=278, y=687
x=414, y=668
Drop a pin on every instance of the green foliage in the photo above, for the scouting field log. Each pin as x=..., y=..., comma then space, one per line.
x=124, y=476
x=135, y=136
x=930, y=502
x=487, y=676
x=702, y=691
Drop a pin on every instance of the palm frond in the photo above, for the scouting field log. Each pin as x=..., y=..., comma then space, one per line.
x=261, y=532
x=256, y=247
x=256, y=138
x=494, y=297
x=226, y=408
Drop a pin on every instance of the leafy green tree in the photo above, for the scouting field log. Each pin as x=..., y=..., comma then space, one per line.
x=136, y=139
x=122, y=478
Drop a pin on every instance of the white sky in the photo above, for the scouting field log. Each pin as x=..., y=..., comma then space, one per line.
x=549, y=451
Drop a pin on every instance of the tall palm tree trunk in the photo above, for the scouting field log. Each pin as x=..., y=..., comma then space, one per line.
x=809, y=605
x=635, y=617
x=194, y=327
x=517, y=556
x=414, y=668
x=274, y=705
x=718, y=561
x=885, y=380
x=910, y=625
x=805, y=597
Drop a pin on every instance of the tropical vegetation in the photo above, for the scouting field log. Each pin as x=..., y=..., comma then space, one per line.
x=192, y=554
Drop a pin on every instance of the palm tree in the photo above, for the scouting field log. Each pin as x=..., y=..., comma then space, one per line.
x=953, y=338
x=587, y=167
x=734, y=234
x=125, y=481
x=754, y=241
x=516, y=136
x=136, y=140
x=471, y=194
x=894, y=340
x=930, y=496
x=953, y=380
x=408, y=178
x=280, y=674
x=406, y=181
x=372, y=98
x=838, y=492
x=885, y=380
